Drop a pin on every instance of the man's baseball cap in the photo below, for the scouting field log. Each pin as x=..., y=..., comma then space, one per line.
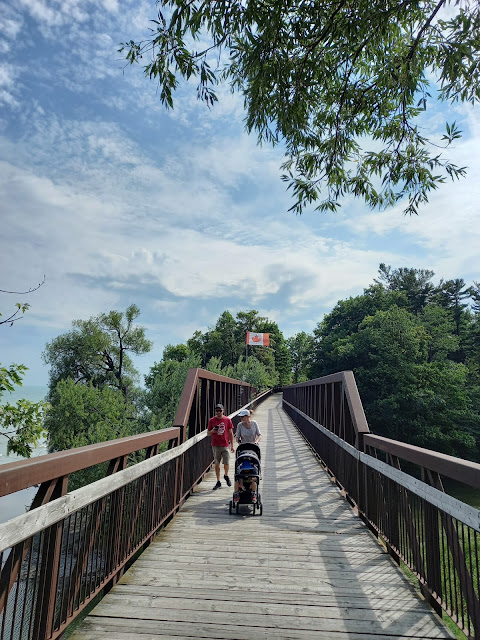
x=219, y=406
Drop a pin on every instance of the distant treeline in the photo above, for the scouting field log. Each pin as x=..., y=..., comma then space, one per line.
x=414, y=348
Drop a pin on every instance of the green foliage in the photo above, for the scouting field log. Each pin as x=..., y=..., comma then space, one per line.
x=301, y=347
x=400, y=338
x=82, y=414
x=415, y=283
x=164, y=386
x=97, y=350
x=342, y=84
x=451, y=295
x=177, y=352
x=333, y=350
x=441, y=338
x=249, y=369
x=91, y=391
x=221, y=349
x=21, y=423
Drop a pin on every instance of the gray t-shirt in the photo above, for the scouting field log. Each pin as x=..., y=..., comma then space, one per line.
x=244, y=434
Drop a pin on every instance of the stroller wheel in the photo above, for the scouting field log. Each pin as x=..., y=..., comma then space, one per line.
x=260, y=509
x=236, y=508
x=254, y=507
x=230, y=507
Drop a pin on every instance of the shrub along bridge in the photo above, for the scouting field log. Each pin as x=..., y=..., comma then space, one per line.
x=308, y=568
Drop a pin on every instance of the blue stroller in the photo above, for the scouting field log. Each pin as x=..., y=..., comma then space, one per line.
x=248, y=469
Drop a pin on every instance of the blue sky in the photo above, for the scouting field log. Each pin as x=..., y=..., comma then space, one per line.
x=117, y=201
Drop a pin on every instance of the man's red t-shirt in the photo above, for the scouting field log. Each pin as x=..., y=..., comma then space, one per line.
x=220, y=438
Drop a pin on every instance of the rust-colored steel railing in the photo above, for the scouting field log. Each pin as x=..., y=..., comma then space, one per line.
x=432, y=533
x=201, y=392
x=57, y=558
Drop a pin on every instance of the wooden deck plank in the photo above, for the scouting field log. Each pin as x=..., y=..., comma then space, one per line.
x=125, y=629
x=408, y=626
x=388, y=599
x=308, y=568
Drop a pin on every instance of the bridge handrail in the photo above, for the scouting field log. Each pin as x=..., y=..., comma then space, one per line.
x=201, y=392
x=343, y=380
x=57, y=557
x=463, y=471
x=22, y=474
x=432, y=533
x=456, y=508
x=30, y=523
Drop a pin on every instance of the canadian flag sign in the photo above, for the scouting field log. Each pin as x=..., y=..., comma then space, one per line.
x=258, y=339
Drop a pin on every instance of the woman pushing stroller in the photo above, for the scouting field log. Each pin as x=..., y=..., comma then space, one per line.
x=247, y=471
x=247, y=429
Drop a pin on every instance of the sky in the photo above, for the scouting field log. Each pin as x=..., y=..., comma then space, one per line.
x=117, y=201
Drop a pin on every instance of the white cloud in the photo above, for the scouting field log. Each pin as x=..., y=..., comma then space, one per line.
x=8, y=74
x=10, y=26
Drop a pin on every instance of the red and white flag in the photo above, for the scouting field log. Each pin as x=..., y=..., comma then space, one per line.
x=258, y=339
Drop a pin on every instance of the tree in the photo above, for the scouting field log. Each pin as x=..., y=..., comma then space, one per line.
x=222, y=341
x=441, y=338
x=416, y=283
x=405, y=396
x=179, y=352
x=21, y=423
x=451, y=294
x=97, y=350
x=332, y=344
x=91, y=391
x=164, y=385
x=301, y=352
x=400, y=344
x=341, y=84
x=83, y=414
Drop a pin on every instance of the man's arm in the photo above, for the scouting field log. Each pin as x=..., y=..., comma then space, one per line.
x=230, y=435
x=209, y=428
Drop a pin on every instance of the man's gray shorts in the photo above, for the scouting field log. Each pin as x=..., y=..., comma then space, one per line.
x=221, y=454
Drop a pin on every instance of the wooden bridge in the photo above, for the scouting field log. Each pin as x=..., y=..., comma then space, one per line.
x=307, y=568
x=323, y=561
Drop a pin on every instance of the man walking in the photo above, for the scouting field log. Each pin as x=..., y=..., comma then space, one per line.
x=220, y=428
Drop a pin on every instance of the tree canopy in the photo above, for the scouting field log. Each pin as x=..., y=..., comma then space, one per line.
x=92, y=389
x=413, y=347
x=342, y=85
x=96, y=351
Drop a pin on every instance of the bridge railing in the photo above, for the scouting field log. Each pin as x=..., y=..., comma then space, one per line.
x=202, y=391
x=56, y=558
x=435, y=535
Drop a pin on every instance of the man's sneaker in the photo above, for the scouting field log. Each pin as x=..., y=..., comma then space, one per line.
x=236, y=497
x=218, y=485
x=254, y=497
x=228, y=481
